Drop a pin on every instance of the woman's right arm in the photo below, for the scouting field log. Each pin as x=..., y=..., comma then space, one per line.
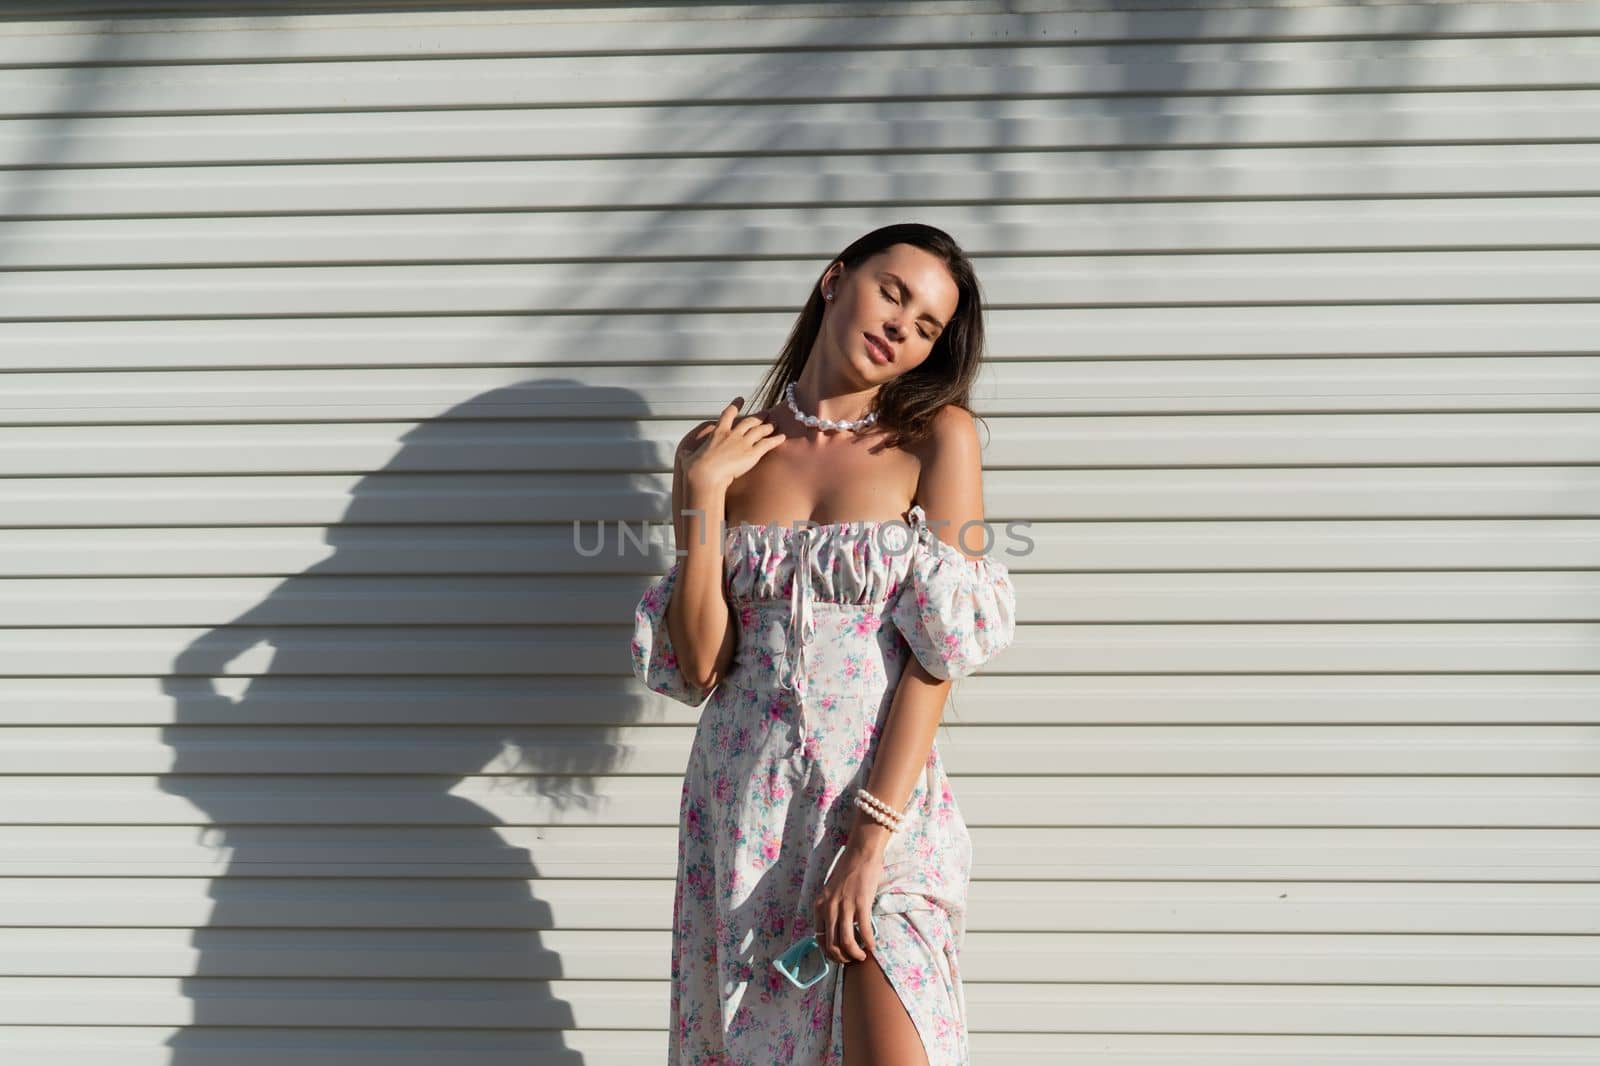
x=699, y=617
x=711, y=456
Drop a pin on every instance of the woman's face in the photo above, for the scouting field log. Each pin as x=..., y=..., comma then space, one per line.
x=903, y=297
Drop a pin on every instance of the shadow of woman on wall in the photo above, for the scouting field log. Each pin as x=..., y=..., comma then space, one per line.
x=398, y=753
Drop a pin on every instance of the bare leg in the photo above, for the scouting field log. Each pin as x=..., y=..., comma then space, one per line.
x=877, y=1029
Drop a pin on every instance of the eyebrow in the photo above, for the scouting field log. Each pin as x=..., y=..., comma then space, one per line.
x=906, y=294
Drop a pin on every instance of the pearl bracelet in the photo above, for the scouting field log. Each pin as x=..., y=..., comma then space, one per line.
x=879, y=810
x=867, y=803
x=878, y=803
x=891, y=824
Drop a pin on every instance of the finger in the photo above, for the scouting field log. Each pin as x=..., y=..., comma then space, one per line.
x=754, y=427
x=824, y=939
x=858, y=939
x=848, y=949
x=828, y=936
x=868, y=941
x=725, y=420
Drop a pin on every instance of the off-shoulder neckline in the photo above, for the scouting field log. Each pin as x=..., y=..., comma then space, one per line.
x=920, y=534
x=866, y=523
x=789, y=529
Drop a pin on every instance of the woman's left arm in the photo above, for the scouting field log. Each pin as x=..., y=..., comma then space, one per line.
x=951, y=492
x=903, y=749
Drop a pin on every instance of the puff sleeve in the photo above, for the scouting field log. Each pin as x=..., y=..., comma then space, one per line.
x=957, y=613
x=654, y=661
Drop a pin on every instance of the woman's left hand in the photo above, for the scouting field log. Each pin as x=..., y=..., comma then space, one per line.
x=844, y=906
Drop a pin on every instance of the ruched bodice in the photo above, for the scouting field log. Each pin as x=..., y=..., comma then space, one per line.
x=856, y=562
x=843, y=571
x=954, y=612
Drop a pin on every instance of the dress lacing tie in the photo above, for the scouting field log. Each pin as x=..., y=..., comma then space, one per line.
x=802, y=626
x=917, y=516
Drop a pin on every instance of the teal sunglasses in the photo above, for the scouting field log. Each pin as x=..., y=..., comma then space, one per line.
x=804, y=964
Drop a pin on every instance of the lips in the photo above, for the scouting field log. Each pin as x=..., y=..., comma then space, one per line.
x=879, y=346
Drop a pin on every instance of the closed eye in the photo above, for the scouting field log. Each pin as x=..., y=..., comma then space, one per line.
x=890, y=297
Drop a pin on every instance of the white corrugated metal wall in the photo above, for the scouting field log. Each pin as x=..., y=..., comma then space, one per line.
x=318, y=332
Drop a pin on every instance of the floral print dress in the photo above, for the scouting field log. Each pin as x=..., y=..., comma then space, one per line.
x=828, y=617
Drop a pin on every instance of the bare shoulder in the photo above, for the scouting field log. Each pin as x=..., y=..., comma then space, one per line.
x=954, y=440
x=954, y=427
x=950, y=486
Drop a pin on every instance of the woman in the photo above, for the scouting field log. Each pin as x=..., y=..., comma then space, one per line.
x=815, y=800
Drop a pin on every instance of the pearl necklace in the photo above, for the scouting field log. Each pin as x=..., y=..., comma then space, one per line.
x=827, y=423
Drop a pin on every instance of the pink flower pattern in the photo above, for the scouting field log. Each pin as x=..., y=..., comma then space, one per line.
x=767, y=796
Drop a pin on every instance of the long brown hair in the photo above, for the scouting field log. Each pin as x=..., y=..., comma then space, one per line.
x=907, y=405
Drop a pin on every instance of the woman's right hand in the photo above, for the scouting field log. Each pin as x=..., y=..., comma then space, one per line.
x=727, y=448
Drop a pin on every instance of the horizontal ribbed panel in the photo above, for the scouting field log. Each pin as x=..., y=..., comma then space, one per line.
x=466, y=27
x=1018, y=1007
x=354, y=500
x=153, y=1045
x=1118, y=852
x=1448, y=277
x=1202, y=777
x=998, y=906
x=484, y=448
x=1525, y=964
x=688, y=352
x=523, y=701
x=663, y=749
x=708, y=241
x=643, y=184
